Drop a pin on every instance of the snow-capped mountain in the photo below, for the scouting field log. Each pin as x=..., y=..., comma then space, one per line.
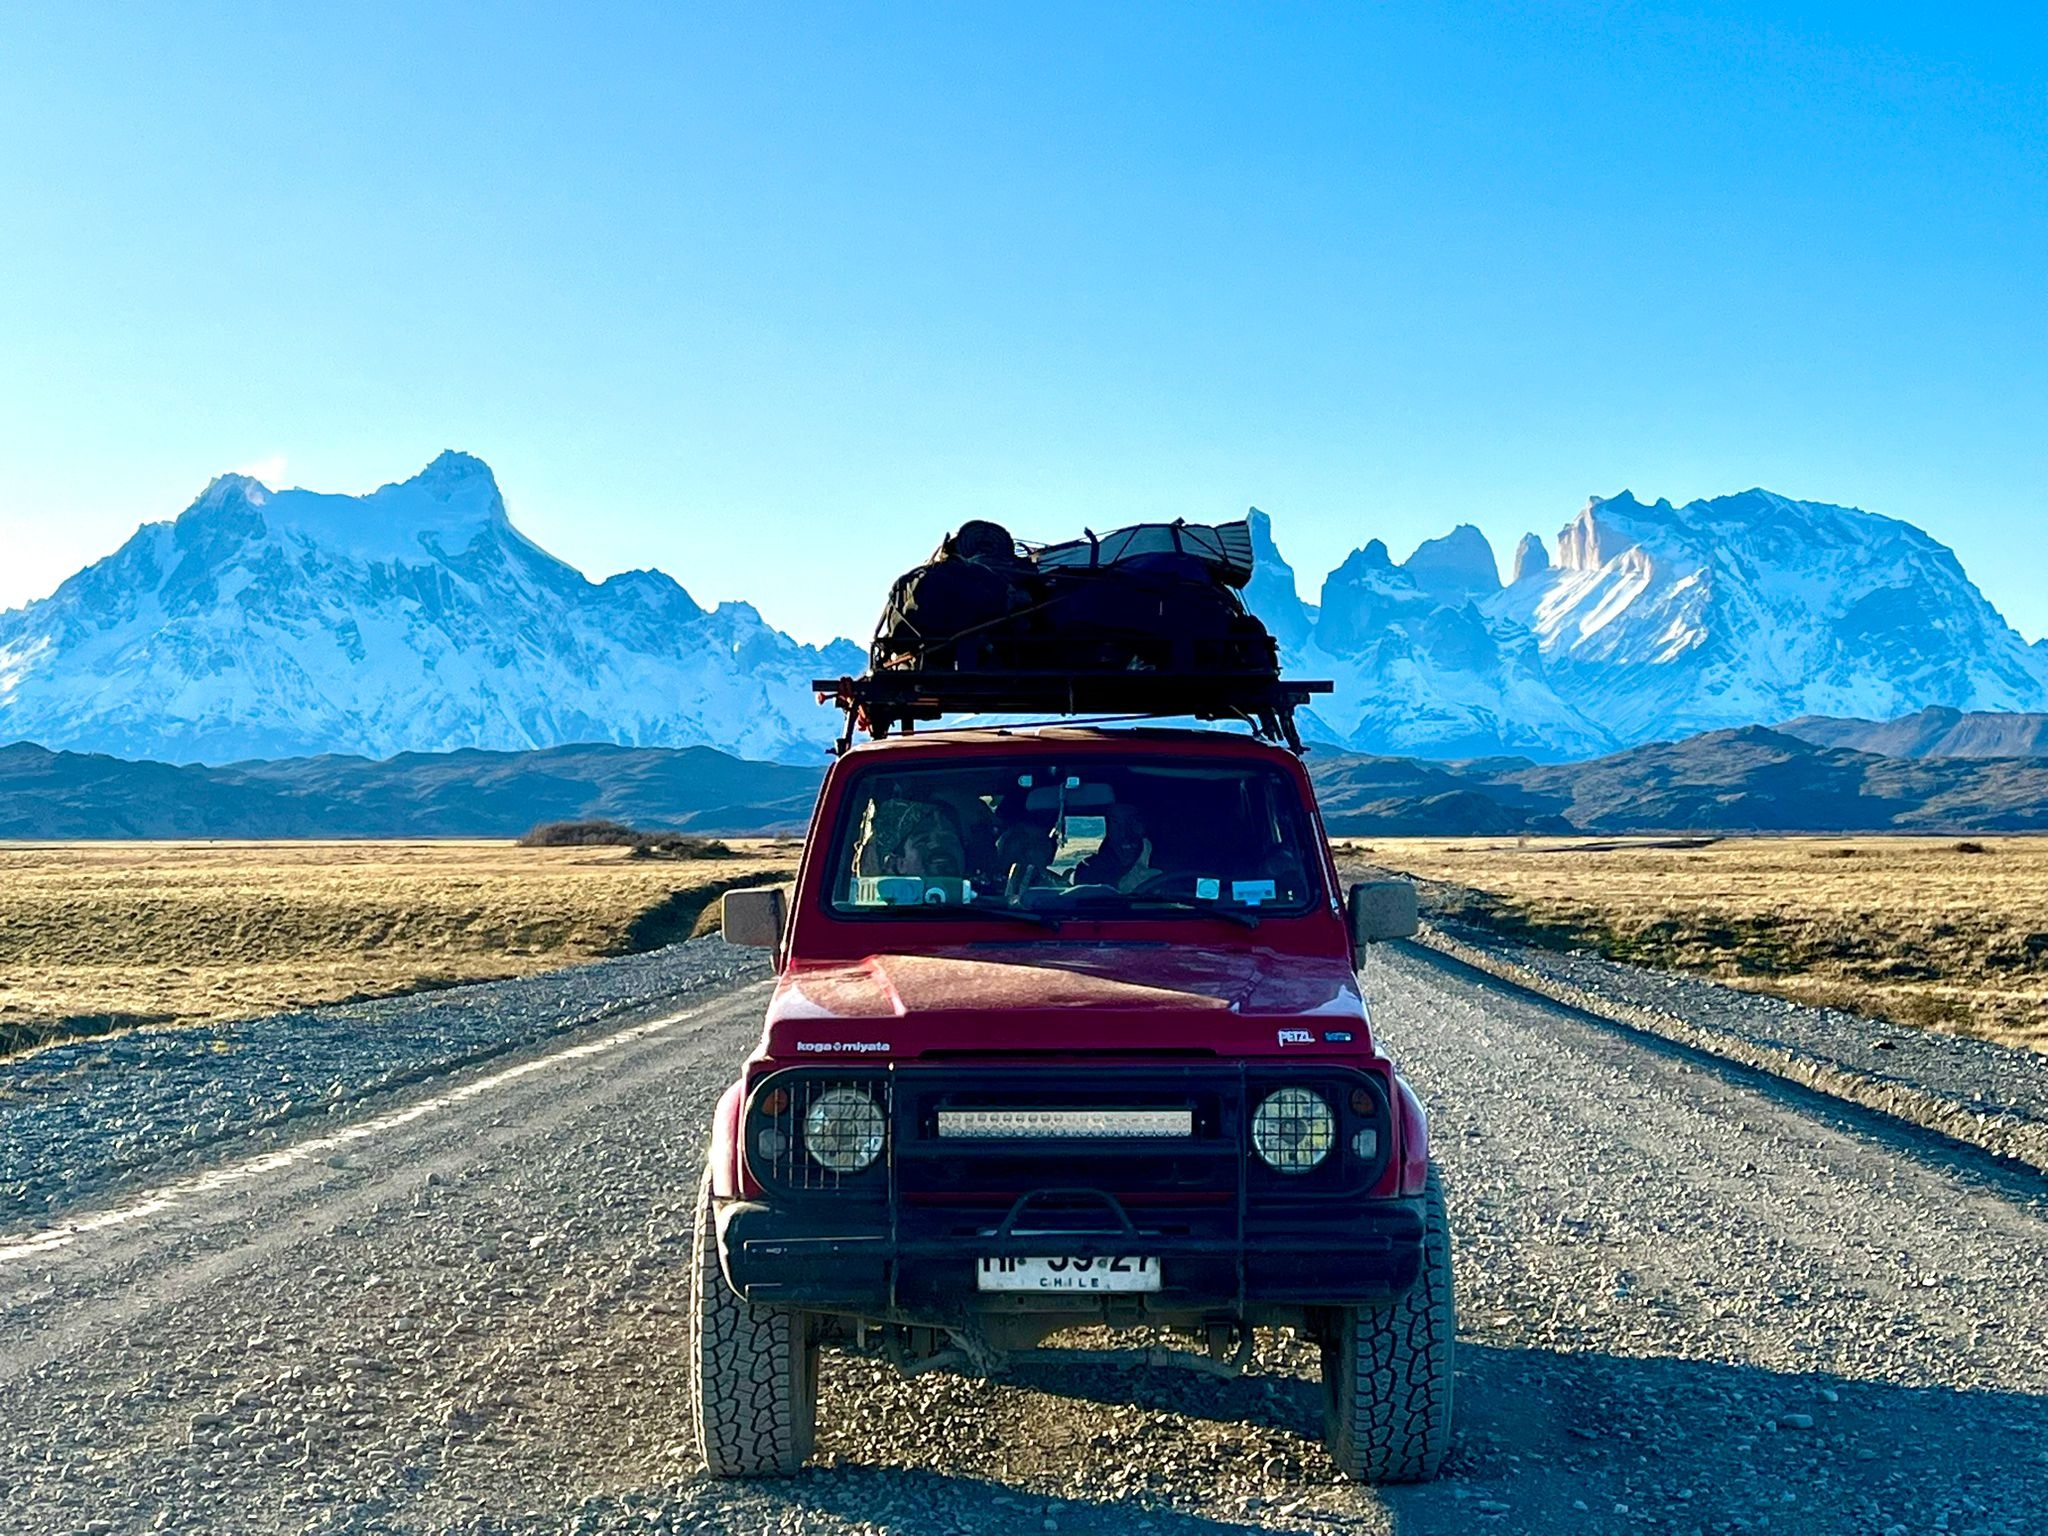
x=1659, y=621
x=266, y=624
x=1654, y=622
x=1421, y=667
x=416, y=618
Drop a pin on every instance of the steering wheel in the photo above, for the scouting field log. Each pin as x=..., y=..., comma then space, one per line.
x=1165, y=882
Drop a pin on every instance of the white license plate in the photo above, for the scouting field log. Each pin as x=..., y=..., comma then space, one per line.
x=1119, y=1274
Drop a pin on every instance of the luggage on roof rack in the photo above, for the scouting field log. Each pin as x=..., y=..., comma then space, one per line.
x=1159, y=597
x=1224, y=548
x=1142, y=621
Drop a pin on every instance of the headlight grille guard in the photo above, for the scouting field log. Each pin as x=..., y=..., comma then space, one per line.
x=1357, y=1101
x=777, y=1107
x=909, y=1095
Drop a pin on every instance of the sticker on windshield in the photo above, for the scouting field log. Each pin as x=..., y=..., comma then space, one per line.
x=911, y=891
x=1208, y=888
x=1252, y=892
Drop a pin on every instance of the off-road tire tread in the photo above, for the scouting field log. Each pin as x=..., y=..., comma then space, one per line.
x=753, y=1371
x=1387, y=1372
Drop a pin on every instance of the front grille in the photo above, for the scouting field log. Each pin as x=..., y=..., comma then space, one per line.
x=1159, y=1130
x=1035, y=1122
x=1155, y=1134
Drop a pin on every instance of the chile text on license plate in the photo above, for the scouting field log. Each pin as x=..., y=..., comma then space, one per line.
x=1113, y=1274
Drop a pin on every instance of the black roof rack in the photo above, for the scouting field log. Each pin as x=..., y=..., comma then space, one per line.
x=896, y=700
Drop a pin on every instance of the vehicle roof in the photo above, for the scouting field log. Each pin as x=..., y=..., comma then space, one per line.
x=990, y=740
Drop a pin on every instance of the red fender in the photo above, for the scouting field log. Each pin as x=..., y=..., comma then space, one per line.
x=725, y=1145
x=1413, y=1121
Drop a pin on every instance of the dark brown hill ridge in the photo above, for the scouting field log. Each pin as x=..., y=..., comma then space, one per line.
x=1932, y=732
x=1749, y=780
x=416, y=794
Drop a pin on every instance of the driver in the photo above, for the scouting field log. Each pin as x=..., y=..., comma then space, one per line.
x=1125, y=858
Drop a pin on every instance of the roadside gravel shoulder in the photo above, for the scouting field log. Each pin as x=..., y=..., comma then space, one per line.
x=87, y=1117
x=1687, y=1303
x=1988, y=1095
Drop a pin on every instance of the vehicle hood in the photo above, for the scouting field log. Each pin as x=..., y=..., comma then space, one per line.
x=1066, y=996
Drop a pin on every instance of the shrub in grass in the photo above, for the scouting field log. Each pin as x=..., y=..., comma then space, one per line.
x=582, y=834
x=599, y=833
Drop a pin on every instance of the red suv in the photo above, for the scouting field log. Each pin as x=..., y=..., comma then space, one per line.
x=1068, y=1032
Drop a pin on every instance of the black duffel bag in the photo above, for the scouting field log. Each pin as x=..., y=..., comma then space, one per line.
x=940, y=615
x=978, y=605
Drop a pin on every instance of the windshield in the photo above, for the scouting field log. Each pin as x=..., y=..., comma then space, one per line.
x=1095, y=836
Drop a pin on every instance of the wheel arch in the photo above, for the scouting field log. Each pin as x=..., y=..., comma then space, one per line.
x=723, y=1163
x=1413, y=1122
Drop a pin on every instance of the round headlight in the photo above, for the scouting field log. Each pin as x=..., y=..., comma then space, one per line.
x=1293, y=1130
x=844, y=1129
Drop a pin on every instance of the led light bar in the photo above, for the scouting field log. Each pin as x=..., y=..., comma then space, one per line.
x=993, y=1124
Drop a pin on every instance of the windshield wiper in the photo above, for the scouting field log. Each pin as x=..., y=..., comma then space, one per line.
x=1191, y=904
x=957, y=910
x=1014, y=914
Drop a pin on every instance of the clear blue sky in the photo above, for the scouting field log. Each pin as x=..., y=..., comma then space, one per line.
x=769, y=296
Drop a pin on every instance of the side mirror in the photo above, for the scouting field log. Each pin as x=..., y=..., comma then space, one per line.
x=1381, y=910
x=754, y=919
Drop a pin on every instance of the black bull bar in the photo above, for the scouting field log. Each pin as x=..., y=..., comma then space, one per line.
x=901, y=1240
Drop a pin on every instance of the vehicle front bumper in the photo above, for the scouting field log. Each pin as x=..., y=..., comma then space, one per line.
x=922, y=1266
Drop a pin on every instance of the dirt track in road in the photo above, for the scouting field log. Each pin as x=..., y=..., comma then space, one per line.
x=1691, y=1300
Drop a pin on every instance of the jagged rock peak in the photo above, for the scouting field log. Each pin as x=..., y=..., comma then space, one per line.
x=1600, y=532
x=1531, y=559
x=453, y=468
x=1264, y=546
x=1265, y=551
x=223, y=489
x=1364, y=571
x=449, y=504
x=1457, y=567
x=1271, y=593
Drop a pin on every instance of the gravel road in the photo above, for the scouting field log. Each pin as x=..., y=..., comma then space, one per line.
x=1691, y=1299
x=1979, y=1091
x=81, y=1118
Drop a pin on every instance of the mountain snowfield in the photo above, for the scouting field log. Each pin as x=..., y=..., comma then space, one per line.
x=1653, y=623
x=1660, y=621
x=416, y=618
x=265, y=624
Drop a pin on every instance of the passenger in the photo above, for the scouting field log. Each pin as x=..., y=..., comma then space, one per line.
x=932, y=846
x=910, y=837
x=1125, y=858
x=1025, y=844
x=979, y=834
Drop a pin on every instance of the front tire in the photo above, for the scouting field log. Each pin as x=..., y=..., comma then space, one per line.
x=1387, y=1369
x=753, y=1371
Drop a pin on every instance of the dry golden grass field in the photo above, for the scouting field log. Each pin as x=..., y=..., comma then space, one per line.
x=98, y=935
x=1929, y=931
